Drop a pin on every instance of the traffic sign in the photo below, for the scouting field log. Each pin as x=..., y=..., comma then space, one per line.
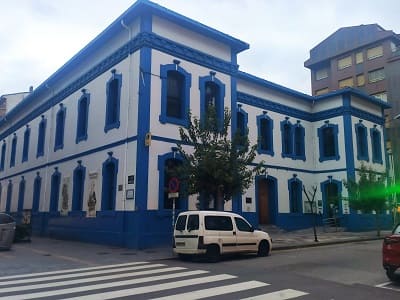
x=173, y=185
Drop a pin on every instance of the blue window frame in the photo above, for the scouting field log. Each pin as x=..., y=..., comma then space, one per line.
x=25, y=149
x=113, y=94
x=212, y=93
x=3, y=155
x=109, y=186
x=299, y=143
x=83, y=117
x=21, y=194
x=287, y=138
x=55, y=190
x=376, y=141
x=1, y=192
x=241, y=119
x=9, y=196
x=265, y=127
x=295, y=195
x=79, y=187
x=175, y=94
x=13, y=150
x=60, y=128
x=362, y=142
x=328, y=142
x=37, y=186
x=41, y=137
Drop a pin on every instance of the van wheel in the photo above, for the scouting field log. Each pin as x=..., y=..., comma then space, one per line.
x=263, y=248
x=184, y=257
x=390, y=273
x=213, y=254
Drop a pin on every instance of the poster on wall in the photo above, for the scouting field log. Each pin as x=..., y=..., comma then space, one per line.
x=65, y=196
x=92, y=197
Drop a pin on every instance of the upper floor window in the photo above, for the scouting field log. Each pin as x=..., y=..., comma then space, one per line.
x=362, y=143
x=265, y=134
x=287, y=138
x=41, y=137
x=60, y=126
x=113, y=101
x=321, y=74
x=321, y=91
x=346, y=82
x=375, y=52
x=3, y=155
x=13, y=150
x=295, y=195
x=359, y=57
x=299, y=146
x=376, y=142
x=344, y=62
x=175, y=94
x=241, y=119
x=25, y=149
x=381, y=95
x=212, y=93
x=376, y=75
x=328, y=142
x=360, y=80
x=83, y=115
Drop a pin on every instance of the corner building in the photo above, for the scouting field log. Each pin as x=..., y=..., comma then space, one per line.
x=88, y=151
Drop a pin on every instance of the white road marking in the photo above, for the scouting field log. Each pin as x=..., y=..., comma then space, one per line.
x=71, y=270
x=154, y=288
x=216, y=291
x=278, y=295
x=101, y=286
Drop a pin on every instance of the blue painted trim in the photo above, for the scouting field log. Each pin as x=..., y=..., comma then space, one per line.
x=21, y=195
x=113, y=102
x=299, y=149
x=376, y=142
x=183, y=200
x=9, y=195
x=234, y=103
x=55, y=190
x=13, y=150
x=184, y=95
x=362, y=142
x=3, y=155
x=287, y=138
x=83, y=117
x=109, y=183
x=25, y=148
x=266, y=137
x=37, y=186
x=78, y=187
x=219, y=101
x=242, y=126
x=143, y=125
x=322, y=138
x=348, y=138
x=60, y=128
x=295, y=196
x=41, y=137
x=272, y=197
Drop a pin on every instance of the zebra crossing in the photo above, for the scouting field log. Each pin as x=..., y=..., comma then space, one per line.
x=136, y=279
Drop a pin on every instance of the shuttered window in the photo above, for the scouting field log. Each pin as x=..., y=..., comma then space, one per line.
x=376, y=75
x=360, y=80
x=359, y=57
x=344, y=62
x=321, y=91
x=346, y=82
x=374, y=52
x=321, y=74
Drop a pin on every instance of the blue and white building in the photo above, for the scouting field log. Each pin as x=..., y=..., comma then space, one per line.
x=89, y=149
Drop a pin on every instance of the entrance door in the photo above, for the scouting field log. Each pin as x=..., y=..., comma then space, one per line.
x=332, y=199
x=263, y=199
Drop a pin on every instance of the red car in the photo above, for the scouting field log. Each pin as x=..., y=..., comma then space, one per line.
x=391, y=253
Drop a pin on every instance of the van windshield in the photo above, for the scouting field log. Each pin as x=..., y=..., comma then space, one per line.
x=180, y=223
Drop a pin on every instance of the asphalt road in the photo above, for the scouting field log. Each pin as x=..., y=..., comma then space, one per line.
x=344, y=271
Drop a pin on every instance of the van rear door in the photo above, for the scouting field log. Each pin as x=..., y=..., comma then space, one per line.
x=187, y=232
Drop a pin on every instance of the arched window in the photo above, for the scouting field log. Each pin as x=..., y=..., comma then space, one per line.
x=287, y=138
x=25, y=149
x=328, y=142
x=3, y=155
x=83, y=115
x=41, y=137
x=113, y=101
x=37, y=186
x=362, y=142
x=295, y=195
x=299, y=143
x=21, y=194
x=60, y=127
x=13, y=150
x=265, y=134
x=376, y=142
x=55, y=190
x=79, y=187
x=9, y=196
x=109, y=185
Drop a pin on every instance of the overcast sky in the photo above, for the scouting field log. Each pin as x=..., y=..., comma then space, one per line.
x=38, y=36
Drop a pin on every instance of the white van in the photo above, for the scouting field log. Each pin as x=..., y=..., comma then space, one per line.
x=215, y=232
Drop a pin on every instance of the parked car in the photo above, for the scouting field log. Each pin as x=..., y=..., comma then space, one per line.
x=391, y=253
x=212, y=233
x=7, y=231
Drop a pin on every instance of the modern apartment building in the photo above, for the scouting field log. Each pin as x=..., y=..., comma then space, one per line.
x=366, y=57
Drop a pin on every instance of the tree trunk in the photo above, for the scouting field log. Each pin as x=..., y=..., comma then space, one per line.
x=378, y=224
x=220, y=199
